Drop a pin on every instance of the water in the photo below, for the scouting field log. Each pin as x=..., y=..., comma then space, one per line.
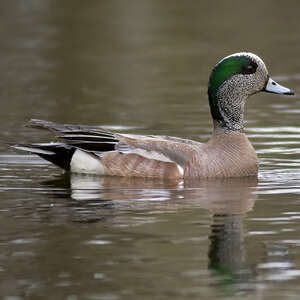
x=142, y=67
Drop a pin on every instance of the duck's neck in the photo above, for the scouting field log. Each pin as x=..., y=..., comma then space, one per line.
x=228, y=113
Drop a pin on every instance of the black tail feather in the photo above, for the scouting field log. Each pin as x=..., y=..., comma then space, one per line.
x=93, y=146
x=59, y=154
x=89, y=138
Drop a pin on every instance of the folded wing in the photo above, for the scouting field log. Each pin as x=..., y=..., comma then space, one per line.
x=118, y=154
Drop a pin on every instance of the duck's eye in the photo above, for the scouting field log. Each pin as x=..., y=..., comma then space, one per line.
x=249, y=69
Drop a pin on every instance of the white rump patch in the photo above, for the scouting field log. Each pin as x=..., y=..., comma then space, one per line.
x=83, y=162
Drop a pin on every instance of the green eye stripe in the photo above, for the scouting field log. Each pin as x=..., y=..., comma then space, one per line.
x=223, y=71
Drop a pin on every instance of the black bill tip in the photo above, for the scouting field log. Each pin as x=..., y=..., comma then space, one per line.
x=290, y=92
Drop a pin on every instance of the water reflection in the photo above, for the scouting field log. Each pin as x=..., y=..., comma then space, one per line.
x=228, y=200
x=220, y=196
x=86, y=187
x=227, y=252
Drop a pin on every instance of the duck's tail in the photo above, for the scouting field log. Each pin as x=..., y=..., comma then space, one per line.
x=90, y=139
x=59, y=154
x=58, y=128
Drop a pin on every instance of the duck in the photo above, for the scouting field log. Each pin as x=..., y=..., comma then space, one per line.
x=228, y=152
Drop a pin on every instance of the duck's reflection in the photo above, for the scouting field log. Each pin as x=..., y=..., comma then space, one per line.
x=228, y=200
x=227, y=252
x=85, y=187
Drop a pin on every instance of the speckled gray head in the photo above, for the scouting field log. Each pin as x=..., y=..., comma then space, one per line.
x=232, y=81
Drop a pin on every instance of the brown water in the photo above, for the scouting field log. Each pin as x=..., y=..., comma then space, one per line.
x=142, y=67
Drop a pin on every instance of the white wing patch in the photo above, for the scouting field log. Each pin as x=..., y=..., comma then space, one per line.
x=83, y=162
x=150, y=154
x=154, y=155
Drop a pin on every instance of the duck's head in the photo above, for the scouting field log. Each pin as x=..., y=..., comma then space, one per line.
x=232, y=81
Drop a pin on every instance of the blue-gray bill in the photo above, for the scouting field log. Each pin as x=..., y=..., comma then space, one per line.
x=274, y=87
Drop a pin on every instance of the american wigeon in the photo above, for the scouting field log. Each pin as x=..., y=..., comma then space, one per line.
x=228, y=153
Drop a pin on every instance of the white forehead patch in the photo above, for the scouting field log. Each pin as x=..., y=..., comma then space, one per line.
x=254, y=57
x=249, y=54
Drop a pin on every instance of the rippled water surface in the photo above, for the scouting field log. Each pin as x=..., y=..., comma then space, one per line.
x=142, y=67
